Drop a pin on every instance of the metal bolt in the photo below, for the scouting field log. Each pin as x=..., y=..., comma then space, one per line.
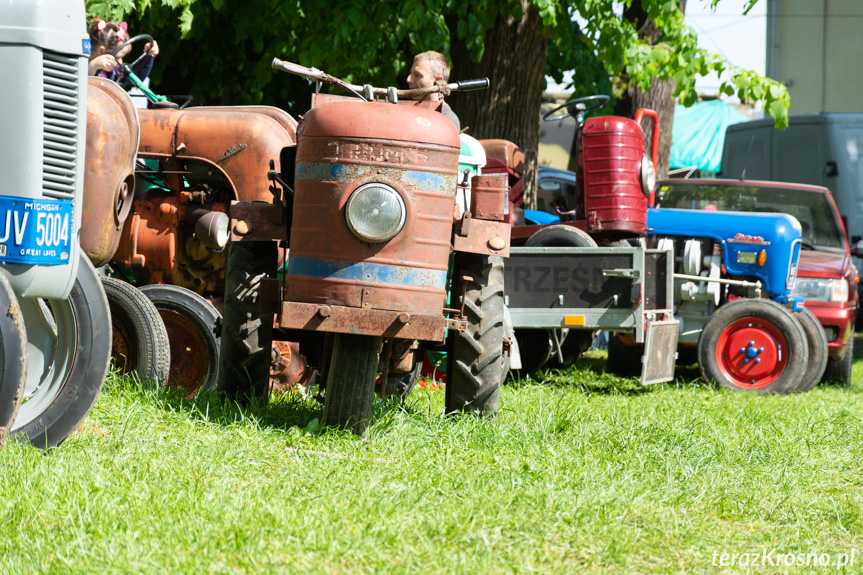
x=496, y=243
x=404, y=318
x=324, y=311
x=242, y=227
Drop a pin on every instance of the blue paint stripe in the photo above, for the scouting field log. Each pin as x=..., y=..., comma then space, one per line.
x=328, y=171
x=366, y=272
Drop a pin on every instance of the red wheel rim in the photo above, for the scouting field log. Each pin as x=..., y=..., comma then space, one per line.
x=752, y=352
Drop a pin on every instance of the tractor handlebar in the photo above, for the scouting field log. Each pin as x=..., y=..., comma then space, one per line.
x=362, y=91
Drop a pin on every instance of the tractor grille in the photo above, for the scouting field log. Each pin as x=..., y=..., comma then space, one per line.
x=61, y=125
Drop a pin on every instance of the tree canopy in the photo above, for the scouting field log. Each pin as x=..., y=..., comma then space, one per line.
x=220, y=50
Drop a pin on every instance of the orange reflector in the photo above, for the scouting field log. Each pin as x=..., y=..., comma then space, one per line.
x=762, y=257
x=573, y=320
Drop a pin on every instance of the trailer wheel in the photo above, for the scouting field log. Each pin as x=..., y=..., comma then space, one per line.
x=560, y=236
x=68, y=351
x=13, y=356
x=839, y=372
x=247, y=332
x=577, y=341
x=817, y=342
x=623, y=360
x=478, y=366
x=190, y=322
x=139, y=341
x=573, y=346
x=350, y=387
x=534, y=345
x=755, y=346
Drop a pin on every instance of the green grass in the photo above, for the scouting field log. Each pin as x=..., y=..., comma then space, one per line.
x=583, y=473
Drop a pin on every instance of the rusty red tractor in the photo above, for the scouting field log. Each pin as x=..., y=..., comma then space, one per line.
x=380, y=264
x=168, y=236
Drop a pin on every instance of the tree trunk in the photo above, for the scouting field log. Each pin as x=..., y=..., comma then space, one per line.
x=660, y=96
x=514, y=61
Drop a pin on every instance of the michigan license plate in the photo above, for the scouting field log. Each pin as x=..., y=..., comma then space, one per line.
x=35, y=231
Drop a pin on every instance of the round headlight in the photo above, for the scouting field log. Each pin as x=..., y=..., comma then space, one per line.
x=648, y=175
x=375, y=213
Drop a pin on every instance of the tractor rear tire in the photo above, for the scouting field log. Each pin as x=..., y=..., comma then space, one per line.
x=68, y=352
x=817, y=342
x=13, y=356
x=477, y=366
x=247, y=332
x=350, y=387
x=190, y=322
x=753, y=345
x=139, y=341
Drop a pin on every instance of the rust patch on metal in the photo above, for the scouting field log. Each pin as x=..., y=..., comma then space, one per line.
x=258, y=221
x=359, y=321
x=488, y=197
x=483, y=236
x=190, y=361
x=289, y=367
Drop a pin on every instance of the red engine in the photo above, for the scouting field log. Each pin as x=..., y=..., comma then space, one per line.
x=614, y=176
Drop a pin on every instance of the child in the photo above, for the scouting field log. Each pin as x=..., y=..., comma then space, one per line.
x=104, y=39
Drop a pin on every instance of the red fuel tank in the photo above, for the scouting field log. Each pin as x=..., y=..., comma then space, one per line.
x=411, y=151
x=608, y=183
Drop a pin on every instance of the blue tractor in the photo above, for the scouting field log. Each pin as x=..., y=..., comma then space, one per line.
x=733, y=277
x=671, y=283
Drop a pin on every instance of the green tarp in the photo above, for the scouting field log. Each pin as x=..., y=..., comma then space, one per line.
x=698, y=134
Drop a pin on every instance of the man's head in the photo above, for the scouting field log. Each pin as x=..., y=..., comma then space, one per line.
x=428, y=68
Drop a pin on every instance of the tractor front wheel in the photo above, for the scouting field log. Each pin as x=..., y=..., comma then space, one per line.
x=753, y=345
x=817, y=342
x=350, y=385
x=190, y=323
x=139, y=340
x=68, y=352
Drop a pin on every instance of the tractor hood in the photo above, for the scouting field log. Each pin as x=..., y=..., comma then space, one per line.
x=743, y=237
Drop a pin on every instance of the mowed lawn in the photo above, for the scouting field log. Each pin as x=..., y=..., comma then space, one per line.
x=581, y=472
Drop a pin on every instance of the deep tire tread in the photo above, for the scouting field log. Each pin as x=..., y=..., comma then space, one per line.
x=478, y=364
x=350, y=387
x=247, y=332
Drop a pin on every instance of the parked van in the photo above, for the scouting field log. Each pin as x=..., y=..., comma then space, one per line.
x=819, y=149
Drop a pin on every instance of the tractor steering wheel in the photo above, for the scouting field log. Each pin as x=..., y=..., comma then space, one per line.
x=600, y=100
x=130, y=41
